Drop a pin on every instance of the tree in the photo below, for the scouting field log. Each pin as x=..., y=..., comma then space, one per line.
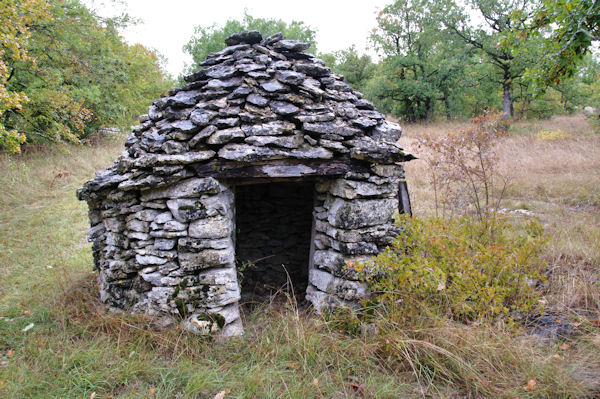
x=421, y=62
x=574, y=25
x=497, y=37
x=17, y=16
x=85, y=76
x=211, y=38
x=357, y=69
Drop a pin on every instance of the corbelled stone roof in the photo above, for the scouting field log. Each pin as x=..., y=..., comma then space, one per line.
x=256, y=100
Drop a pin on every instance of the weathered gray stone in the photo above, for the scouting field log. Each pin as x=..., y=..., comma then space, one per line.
x=189, y=209
x=197, y=244
x=269, y=129
x=315, y=117
x=138, y=225
x=150, y=260
x=387, y=131
x=138, y=235
x=290, y=45
x=225, y=136
x=200, y=324
x=278, y=141
x=202, y=117
x=247, y=36
x=174, y=225
x=164, y=244
x=223, y=123
x=307, y=152
x=163, y=217
x=177, y=159
x=233, y=329
x=274, y=86
x=338, y=128
x=364, y=122
x=114, y=224
x=345, y=289
x=248, y=153
x=153, y=278
x=184, y=99
x=202, y=136
x=350, y=189
x=211, y=228
x=250, y=67
x=333, y=145
x=257, y=100
x=191, y=261
x=187, y=188
x=284, y=108
x=174, y=147
x=167, y=234
x=361, y=213
x=289, y=77
x=312, y=69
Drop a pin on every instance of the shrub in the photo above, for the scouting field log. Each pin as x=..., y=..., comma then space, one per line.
x=463, y=167
x=461, y=268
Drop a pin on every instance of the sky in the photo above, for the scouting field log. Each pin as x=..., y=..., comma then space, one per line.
x=167, y=25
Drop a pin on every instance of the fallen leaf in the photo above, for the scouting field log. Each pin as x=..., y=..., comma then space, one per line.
x=595, y=323
x=10, y=353
x=359, y=388
x=576, y=324
x=293, y=365
x=93, y=395
x=221, y=395
x=565, y=346
x=152, y=391
x=316, y=382
x=530, y=385
x=557, y=356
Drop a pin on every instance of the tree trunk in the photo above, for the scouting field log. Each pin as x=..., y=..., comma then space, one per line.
x=507, y=101
x=428, y=109
x=410, y=111
x=447, y=105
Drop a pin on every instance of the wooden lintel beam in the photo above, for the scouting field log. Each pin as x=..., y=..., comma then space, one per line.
x=278, y=169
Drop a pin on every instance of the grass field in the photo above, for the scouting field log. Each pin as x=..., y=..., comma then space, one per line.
x=58, y=341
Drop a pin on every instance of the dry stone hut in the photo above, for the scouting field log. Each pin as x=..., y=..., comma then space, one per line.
x=265, y=163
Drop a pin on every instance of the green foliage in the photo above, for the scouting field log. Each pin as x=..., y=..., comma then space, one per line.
x=357, y=69
x=499, y=38
x=574, y=25
x=84, y=76
x=422, y=63
x=209, y=39
x=460, y=268
x=17, y=17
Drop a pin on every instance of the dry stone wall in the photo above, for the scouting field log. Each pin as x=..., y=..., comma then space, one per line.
x=163, y=215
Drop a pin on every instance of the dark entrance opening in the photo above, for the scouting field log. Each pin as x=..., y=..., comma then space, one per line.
x=273, y=233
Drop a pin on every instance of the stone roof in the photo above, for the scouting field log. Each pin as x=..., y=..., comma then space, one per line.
x=255, y=101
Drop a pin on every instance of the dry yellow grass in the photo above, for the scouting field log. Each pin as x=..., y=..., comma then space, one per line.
x=556, y=179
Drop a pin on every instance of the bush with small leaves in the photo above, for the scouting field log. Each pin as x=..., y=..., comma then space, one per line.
x=462, y=269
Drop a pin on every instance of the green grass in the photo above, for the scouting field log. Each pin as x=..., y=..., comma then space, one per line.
x=77, y=349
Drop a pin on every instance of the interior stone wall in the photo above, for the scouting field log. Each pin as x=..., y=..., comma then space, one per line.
x=273, y=232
